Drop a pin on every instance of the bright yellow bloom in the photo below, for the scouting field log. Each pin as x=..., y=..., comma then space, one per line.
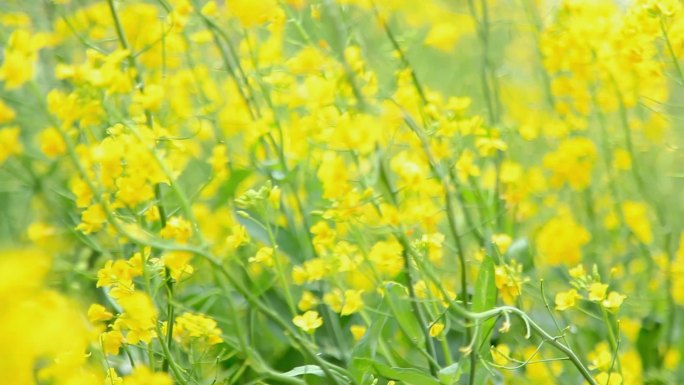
x=358, y=331
x=560, y=241
x=178, y=263
x=597, y=291
x=111, y=342
x=309, y=321
x=345, y=303
x=92, y=219
x=7, y=114
x=636, y=218
x=238, y=237
x=263, y=256
x=386, y=255
x=97, y=312
x=572, y=163
x=308, y=301
x=566, y=300
x=613, y=301
x=436, y=329
x=142, y=375
x=51, y=142
x=190, y=327
x=9, y=143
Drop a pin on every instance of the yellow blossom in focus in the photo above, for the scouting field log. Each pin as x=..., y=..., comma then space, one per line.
x=597, y=291
x=191, y=327
x=309, y=321
x=436, y=329
x=97, y=312
x=566, y=300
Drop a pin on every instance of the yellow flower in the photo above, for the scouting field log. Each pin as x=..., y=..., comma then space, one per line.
x=7, y=114
x=345, y=303
x=436, y=329
x=191, y=327
x=500, y=354
x=238, y=237
x=308, y=301
x=572, y=163
x=566, y=300
x=263, y=256
x=636, y=218
x=601, y=357
x=605, y=378
x=92, y=219
x=111, y=342
x=577, y=271
x=309, y=321
x=597, y=291
x=139, y=317
x=334, y=175
x=466, y=167
x=9, y=143
x=358, y=331
x=178, y=263
x=177, y=228
x=134, y=190
x=509, y=280
x=444, y=36
x=142, y=375
x=614, y=301
x=560, y=241
x=97, y=312
x=386, y=255
x=323, y=234
x=502, y=242
x=622, y=160
x=51, y=142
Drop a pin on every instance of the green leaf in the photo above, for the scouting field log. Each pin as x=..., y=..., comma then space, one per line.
x=484, y=298
x=450, y=375
x=402, y=310
x=368, y=344
x=408, y=375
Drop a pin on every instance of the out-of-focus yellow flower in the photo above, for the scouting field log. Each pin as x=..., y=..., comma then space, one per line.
x=142, y=375
x=636, y=218
x=9, y=143
x=613, y=301
x=344, y=302
x=307, y=302
x=357, y=331
x=51, y=142
x=560, y=241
